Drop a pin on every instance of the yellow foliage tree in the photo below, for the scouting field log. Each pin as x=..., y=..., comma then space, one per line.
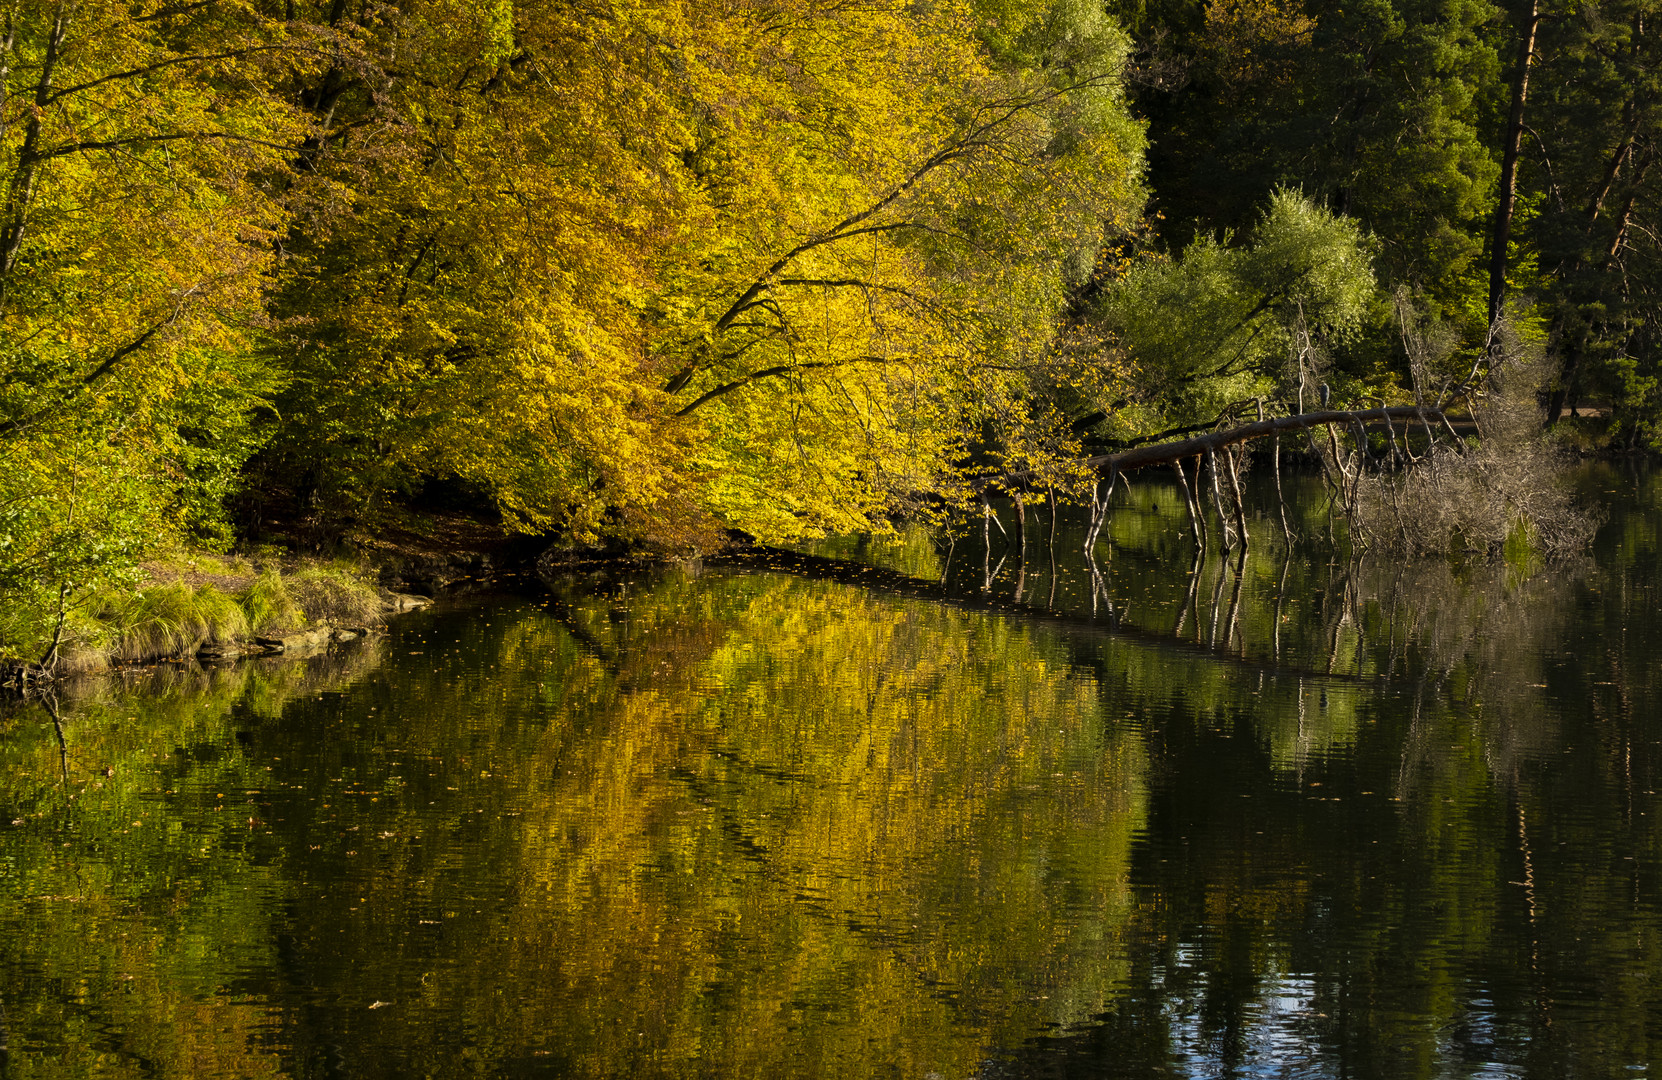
x=141, y=163
x=647, y=269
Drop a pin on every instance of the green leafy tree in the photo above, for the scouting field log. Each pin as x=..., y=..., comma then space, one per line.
x=1589, y=247
x=1380, y=110
x=1222, y=323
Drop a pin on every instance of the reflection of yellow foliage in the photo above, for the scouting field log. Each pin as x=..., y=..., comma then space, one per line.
x=909, y=550
x=791, y=826
x=840, y=837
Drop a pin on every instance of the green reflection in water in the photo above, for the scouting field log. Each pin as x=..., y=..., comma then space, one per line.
x=1268, y=818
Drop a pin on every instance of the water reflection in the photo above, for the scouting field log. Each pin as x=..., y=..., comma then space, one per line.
x=1270, y=817
x=750, y=826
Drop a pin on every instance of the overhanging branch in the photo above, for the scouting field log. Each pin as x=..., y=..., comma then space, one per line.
x=1142, y=457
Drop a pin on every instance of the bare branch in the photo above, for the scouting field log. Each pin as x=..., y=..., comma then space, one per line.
x=133, y=73
x=782, y=369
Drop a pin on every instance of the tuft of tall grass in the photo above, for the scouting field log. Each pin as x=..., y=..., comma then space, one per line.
x=170, y=619
x=335, y=594
x=269, y=605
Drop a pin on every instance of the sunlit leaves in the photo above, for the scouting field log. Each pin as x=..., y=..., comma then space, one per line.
x=144, y=162
x=730, y=264
x=1219, y=323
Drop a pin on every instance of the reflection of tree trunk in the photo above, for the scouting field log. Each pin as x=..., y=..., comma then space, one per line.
x=1217, y=604
x=1189, y=596
x=1502, y=235
x=1280, y=598
x=1229, y=629
x=1098, y=585
x=992, y=575
x=49, y=702
x=1528, y=883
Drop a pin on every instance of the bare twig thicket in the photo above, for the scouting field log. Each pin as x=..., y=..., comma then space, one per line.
x=1507, y=484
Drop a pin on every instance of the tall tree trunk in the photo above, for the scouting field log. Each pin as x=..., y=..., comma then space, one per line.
x=1509, y=164
x=1573, y=348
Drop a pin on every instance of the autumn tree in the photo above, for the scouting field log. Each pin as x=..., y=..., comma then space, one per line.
x=142, y=156
x=652, y=269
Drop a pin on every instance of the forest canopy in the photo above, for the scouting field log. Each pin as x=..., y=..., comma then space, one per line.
x=649, y=271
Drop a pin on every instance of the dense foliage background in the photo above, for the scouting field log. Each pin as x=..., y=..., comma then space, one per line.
x=647, y=271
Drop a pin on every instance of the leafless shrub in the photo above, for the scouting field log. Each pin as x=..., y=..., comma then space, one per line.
x=1509, y=486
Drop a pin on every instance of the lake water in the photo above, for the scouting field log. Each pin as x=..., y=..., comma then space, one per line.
x=940, y=817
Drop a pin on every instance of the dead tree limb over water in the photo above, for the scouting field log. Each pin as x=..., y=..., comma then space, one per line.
x=1165, y=453
x=1207, y=447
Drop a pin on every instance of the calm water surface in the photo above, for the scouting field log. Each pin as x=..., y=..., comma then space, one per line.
x=942, y=817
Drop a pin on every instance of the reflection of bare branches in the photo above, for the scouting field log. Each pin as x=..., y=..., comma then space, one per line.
x=1235, y=597
x=49, y=701
x=1099, y=586
x=1217, y=602
x=1189, y=597
x=992, y=575
x=818, y=566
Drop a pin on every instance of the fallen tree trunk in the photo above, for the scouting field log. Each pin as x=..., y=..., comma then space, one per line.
x=1165, y=453
x=1206, y=447
x=1142, y=457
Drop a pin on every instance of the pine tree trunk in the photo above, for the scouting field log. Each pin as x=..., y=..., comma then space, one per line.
x=1509, y=165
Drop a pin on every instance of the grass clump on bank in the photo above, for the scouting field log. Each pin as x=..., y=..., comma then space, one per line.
x=186, y=605
x=170, y=619
x=335, y=594
x=270, y=605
